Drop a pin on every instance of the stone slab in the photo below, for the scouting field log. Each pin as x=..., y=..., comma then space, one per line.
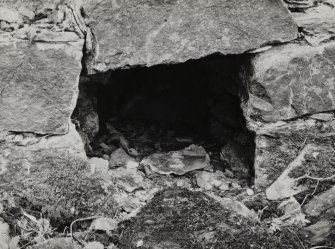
x=137, y=32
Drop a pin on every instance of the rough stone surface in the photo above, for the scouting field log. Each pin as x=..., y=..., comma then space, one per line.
x=129, y=179
x=321, y=231
x=120, y=158
x=41, y=45
x=98, y=165
x=210, y=180
x=317, y=23
x=280, y=144
x=321, y=203
x=38, y=86
x=178, y=162
x=149, y=32
x=21, y=155
x=290, y=81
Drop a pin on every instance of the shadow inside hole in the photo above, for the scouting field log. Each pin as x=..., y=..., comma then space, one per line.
x=169, y=107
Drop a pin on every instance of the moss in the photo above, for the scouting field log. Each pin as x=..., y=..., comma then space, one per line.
x=62, y=191
x=287, y=145
x=179, y=218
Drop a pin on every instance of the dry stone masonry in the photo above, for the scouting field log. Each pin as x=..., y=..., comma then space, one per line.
x=285, y=53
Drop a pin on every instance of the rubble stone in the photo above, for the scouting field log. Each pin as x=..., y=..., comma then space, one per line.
x=178, y=162
x=317, y=23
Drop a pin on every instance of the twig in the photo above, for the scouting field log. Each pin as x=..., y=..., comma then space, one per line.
x=315, y=178
x=331, y=156
x=83, y=219
x=261, y=212
x=319, y=247
x=302, y=245
x=300, y=147
x=310, y=195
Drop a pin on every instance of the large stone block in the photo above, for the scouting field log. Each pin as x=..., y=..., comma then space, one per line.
x=290, y=81
x=41, y=45
x=152, y=32
x=38, y=85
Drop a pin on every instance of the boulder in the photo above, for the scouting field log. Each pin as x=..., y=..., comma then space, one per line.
x=290, y=81
x=130, y=33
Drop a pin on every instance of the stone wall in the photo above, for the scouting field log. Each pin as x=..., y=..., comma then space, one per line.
x=289, y=76
x=43, y=44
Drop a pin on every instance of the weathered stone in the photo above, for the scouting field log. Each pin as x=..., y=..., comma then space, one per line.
x=126, y=202
x=98, y=165
x=317, y=23
x=104, y=224
x=38, y=85
x=149, y=32
x=120, y=158
x=9, y=15
x=320, y=231
x=292, y=213
x=209, y=180
x=299, y=4
x=290, y=81
x=321, y=203
x=20, y=156
x=94, y=245
x=281, y=144
x=178, y=162
x=128, y=179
